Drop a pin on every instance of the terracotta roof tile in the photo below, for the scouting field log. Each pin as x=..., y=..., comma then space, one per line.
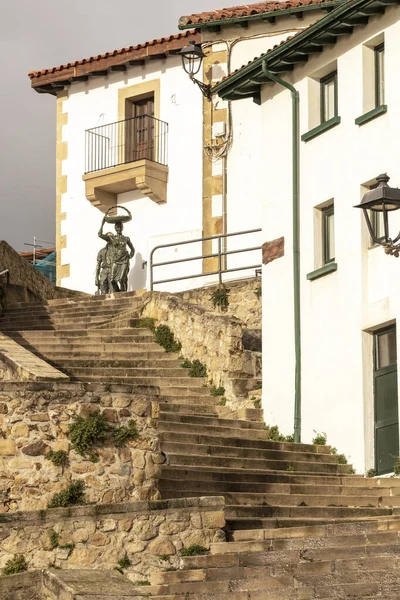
x=158, y=45
x=246, y=10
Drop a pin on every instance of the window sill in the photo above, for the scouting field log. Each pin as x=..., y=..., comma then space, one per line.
x=325, y=270
x=371, y=114
x=320, y=129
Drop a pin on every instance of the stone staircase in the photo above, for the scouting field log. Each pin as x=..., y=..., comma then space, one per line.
x=299, y=524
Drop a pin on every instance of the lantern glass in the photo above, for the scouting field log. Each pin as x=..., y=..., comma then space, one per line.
x=381, y=199
x=192, y=59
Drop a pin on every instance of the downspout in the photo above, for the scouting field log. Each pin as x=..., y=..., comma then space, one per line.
x=296, y=245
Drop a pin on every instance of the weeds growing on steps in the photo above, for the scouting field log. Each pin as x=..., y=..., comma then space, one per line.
x=196, y=368
x=15, y=565
x=72, y=495
x=164, y=336
x=193, y=550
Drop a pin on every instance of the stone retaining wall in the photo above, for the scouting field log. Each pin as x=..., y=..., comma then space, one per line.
x=35, y=417
x=27, y=284
x=244, y=303
x=151, y=534
x=215, y=340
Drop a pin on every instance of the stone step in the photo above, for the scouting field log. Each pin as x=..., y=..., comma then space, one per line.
x=176, y=375
x=273, y=499
x=210, y=421
x=112, y=334
x=199, y=487
x=308, y=449
x=236, y=511
x=242, y=458
x=305, y=544
x=59, y=317
x=282, y=523
x=236, y=430
x=214, y=473
x=163, y=363
x=121, y=297
x=109, y=308
x=339, y=531
x=159, y=356
x=308, y=573
x=132, y=349
x=203, y=405
x=244, y=448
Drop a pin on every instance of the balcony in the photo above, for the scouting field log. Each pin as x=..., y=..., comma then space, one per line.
x=125, y=156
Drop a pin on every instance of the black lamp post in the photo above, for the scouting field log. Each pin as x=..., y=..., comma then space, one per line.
x=382, y=199
x=192, y=59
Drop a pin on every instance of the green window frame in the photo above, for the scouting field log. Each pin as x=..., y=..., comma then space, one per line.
x=329, y=101
x=328, y=234
x=379, y=52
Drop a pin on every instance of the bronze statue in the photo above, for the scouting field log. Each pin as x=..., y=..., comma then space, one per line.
x=118, y=255
x=103, y=271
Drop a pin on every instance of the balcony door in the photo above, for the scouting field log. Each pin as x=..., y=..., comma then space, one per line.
x=140, y=134
x=386, y=401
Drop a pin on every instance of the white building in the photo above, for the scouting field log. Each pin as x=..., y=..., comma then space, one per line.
x=133, y=131
x=344, y=69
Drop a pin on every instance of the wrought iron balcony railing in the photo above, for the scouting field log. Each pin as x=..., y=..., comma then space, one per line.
x=126, y=141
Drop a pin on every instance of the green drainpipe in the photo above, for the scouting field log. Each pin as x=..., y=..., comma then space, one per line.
x=296, y=245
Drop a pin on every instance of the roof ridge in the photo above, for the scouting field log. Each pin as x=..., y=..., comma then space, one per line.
x=246, y=12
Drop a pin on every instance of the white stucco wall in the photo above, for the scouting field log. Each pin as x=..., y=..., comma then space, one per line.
x=96, y=103
x=339, y=310
x=246, y=169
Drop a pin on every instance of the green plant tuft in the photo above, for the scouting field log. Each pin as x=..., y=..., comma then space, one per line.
x=290, y=468
x=217, y=391
x=371, y=473
x=186, y=364
x=15, y=565
x=142, y=582
x=333, y=450
x=220, y=298
x=124, y=562
x=59, y=458
x=342, y=460
x=145, y=322
x=163, y=556
x=275, y=435
x=258, y=292
x=85, y=432
x=396, y=466
x=125, y=434
x=257, y=403
x=222, y=402
x=193, y=550
x=320, y=439
x=198, y=369
x=164, y=336
x=73, y=494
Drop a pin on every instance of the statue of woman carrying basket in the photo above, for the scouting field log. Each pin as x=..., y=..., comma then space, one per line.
x=118, y=254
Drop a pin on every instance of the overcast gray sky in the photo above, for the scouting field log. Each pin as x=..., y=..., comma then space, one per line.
x=47, y=33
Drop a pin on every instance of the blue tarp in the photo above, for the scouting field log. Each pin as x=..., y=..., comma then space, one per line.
x=47, y=267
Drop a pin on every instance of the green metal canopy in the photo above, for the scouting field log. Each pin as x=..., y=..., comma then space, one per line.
x=246, y=82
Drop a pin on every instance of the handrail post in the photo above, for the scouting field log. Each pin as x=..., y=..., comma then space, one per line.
x=219, y=261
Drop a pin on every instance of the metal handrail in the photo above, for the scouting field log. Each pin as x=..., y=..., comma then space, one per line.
x=220, y=254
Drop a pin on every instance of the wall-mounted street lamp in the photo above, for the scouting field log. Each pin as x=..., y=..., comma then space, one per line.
x=382, y=199
x=192, y=59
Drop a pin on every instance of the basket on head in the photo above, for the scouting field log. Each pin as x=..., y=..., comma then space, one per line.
x=118, y=218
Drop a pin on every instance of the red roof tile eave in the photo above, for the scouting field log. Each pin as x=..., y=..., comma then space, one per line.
x=258, y=9
x=100, y=62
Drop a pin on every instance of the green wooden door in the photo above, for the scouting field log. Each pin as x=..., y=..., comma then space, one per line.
x=386, y=402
